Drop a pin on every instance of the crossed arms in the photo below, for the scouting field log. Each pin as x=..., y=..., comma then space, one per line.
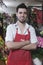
x=26, y=45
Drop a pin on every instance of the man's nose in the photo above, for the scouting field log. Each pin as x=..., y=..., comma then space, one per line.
x=22, y=14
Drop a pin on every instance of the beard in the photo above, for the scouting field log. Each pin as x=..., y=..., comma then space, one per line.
x=22, y=21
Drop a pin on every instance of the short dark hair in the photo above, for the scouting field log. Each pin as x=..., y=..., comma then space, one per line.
x=22, y=5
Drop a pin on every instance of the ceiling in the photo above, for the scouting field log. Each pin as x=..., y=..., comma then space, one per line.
x=15, y=2
x=12, y=4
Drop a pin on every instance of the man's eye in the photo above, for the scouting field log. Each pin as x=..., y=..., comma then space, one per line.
x=20, y=12
x=25, y=12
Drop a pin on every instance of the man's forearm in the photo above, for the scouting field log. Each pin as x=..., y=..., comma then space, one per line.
x=16, y=45
x=30, y=46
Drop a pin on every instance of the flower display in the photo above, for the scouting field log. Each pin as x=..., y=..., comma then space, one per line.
x=33, y=18
x=1, y=48
x=40, y=41
x=41, y=33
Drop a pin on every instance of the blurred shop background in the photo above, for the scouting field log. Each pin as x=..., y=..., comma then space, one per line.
x=35, y=18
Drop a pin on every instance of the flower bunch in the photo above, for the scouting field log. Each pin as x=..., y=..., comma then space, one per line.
x=40, y=41
x=41, y=33
x=1, y=48
x=1, y=42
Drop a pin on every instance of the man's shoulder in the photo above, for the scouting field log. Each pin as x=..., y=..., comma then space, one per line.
x=30, y=26
x=11, y=26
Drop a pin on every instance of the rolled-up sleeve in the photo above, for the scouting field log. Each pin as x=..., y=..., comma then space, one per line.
x=33, y=37
x=9, y=34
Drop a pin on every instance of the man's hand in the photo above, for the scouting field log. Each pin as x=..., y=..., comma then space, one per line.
x=30, y=46
x=27, y=41
x=16, y=45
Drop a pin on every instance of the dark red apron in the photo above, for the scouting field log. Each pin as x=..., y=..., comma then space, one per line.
x=20, y=57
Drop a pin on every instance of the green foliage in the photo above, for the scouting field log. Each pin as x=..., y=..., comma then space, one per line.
x=37, y=53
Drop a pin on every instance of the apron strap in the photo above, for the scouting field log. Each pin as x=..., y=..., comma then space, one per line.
x=28, y=30
x=16, y=28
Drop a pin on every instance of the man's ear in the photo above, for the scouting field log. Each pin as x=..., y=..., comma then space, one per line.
x=16, y=14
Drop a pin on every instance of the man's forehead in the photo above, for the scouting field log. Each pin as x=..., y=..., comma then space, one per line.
x=22, y=9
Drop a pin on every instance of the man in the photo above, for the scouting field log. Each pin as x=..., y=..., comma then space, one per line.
x=20, y=39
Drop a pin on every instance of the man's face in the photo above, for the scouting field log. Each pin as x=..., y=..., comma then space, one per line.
x=22, y=15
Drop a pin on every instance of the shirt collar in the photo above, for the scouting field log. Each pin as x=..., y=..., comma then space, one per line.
x=26, y=26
